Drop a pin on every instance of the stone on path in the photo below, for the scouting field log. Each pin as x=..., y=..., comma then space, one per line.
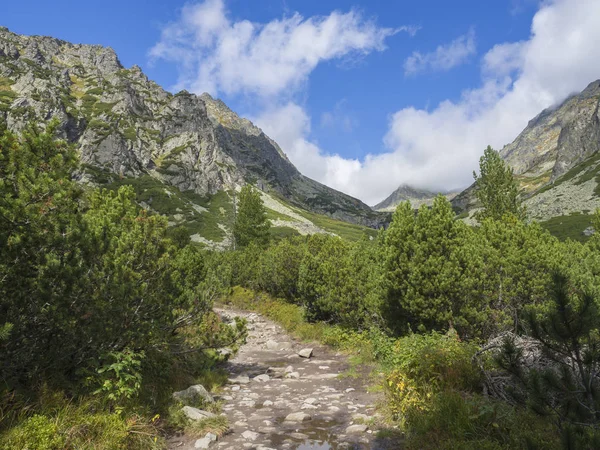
x=264, y=377
x=305, y=352
x=195, y=413
x=272, y=345
x=250, y=435
x=193, y=394
x=356, y=429
x=299, y=436
x=295, y=375
x=240, y=379
x=298, y=417
x=203, y=443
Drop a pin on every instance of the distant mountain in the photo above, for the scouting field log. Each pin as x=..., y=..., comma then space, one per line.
x=417, y=197
x=556, y=160
x=131, y=131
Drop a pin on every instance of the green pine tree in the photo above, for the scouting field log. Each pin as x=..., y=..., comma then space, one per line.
x=496, y=188
x=251, y=223
x=429, y=268
x=569, y=390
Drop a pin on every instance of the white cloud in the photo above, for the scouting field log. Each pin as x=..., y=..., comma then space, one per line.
x=290, y=125
x=218, y=55
x=436, y=149
x=439, y=149
x=444, y=57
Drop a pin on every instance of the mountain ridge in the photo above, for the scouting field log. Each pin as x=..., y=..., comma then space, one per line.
x=556, y=162
x=127, y=125
x=415, y=196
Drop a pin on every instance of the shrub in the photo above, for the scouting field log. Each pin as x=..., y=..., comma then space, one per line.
x=424, y=365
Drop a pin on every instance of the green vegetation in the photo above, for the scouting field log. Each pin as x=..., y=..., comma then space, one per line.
x=496, y=188
x=103, y=316
x=105, y=310
x=569, y=391
x=568, y=227
x=251, y=225
x=344, y=230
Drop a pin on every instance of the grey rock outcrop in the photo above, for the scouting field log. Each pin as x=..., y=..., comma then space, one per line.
x=558, y=138
x=126, y=125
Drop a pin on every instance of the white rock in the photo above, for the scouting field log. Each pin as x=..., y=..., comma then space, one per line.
x=305, y=352
x=272, y=345
x=192, y=394
x=211, y=436
x=310, y=401
x=288, y=369
x=350, y=390
x=203, y=443
x=298, y=417
x=292, y=375
x=195, y=413
x=250, y=435
x=267, y=403
x=299, y=436
x=356, y=429
x=262, y=378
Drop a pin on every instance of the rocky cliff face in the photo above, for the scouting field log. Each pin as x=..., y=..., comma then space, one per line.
x=556, y=160
x=125, y=124
x=559, y=138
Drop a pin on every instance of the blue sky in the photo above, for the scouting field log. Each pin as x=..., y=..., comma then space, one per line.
x=363, y=96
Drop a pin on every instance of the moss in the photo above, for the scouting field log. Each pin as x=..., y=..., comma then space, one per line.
x=102, y=108
x=130, y=134
x=7, y=95
x=99, y=125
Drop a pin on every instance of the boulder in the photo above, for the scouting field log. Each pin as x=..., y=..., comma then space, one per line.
x=250, y=435
x=193, y=394
x=203, y=443
x=356, y=429
x=305, y=353
x=262, y=378
x=195, y=413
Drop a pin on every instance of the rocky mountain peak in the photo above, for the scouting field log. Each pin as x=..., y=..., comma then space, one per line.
x=125, y=124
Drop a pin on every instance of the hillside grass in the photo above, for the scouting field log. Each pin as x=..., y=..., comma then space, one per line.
x=178, y=207
x=569, y=227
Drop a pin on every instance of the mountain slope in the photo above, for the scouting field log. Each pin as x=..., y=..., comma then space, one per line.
x=129, y=128
x=556, y=160
x=416, y=197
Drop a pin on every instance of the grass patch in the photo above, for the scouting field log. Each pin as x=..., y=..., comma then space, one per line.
x=569, y=227
x=217, y=425
x=344, y=230
x=278, y=233
x=56, y=423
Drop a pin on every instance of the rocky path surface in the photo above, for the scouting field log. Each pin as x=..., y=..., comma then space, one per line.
x=277, y=399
